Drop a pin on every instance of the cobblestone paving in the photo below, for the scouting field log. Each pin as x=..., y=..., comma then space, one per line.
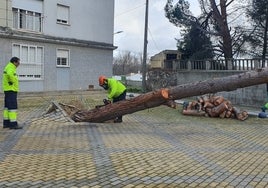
x=152, y=148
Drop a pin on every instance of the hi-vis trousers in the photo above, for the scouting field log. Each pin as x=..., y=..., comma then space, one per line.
x=10, y=109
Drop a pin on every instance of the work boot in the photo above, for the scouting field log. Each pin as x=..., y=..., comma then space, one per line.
x=6, y=123
x=16, y=127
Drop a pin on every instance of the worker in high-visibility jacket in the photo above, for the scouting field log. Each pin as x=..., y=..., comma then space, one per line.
x=265, y=107
x=10, y=85
x=116, y=91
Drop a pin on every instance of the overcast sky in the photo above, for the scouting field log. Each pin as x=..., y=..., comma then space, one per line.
x=130, y=18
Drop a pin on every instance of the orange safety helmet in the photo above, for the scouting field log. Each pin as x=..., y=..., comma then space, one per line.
x=101, y=80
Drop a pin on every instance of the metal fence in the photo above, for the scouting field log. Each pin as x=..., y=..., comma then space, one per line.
x=233, y=64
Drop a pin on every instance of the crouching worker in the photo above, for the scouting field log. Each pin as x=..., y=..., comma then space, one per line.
x=263, y=109
x=116, y=91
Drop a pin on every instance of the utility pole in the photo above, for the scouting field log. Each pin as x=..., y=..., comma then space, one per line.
x=145, y=48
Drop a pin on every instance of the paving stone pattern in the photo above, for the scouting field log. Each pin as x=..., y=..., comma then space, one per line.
x=157, y=147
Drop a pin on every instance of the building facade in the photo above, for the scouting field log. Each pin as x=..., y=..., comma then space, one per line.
x=62, y=44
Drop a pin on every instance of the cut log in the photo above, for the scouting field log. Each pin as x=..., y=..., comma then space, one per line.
x=218, y=100
x=208, y=104
x=228, y=114
x=217, y=110
x=193, y=113
x=159, y=97
x=171, y=104
x=223, y=114
x=240, y=115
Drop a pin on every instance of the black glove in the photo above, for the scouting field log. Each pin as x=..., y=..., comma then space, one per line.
x=10, y=83
x=106, y=101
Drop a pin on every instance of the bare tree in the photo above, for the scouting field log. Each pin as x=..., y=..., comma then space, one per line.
x=224, y=19
x=126, y=62
x=219, y=20
x=258, y=14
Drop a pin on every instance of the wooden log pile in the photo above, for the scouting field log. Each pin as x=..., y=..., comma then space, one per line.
x=213, y=106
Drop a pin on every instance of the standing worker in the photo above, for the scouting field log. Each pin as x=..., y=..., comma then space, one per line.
x=116, y=91
x=10, y=84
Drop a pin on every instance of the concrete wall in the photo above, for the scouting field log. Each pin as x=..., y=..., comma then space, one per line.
x=133, y=83
x=249, y=96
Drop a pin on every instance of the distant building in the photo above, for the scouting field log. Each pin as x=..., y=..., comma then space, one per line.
x=161, y=72
x=165, y=59
x=62, y=44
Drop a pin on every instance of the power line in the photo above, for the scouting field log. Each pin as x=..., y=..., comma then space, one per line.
x=130, y=10
x=153, y=39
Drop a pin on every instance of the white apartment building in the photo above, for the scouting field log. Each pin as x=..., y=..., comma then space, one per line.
x=62, y=44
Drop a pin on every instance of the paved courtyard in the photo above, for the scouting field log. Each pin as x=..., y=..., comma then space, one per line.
x=156, y=147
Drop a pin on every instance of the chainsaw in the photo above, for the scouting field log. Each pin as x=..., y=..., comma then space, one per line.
x=105, y=101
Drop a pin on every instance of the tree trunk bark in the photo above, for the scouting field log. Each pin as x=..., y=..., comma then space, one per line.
x=264, y=51
x=221, y=18
x=159, y=97
x=113, y=110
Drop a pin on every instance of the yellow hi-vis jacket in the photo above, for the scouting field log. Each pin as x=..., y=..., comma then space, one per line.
x=115, y=88
x=10, y=79
x=266, y=105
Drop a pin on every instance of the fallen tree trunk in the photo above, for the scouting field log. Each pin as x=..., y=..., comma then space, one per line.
x=111, y=111
x=159, y=97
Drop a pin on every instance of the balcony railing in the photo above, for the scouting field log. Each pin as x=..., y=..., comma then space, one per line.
x=234, y=64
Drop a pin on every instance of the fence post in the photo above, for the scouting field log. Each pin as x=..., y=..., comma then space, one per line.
x=256, y=63
x=189, y=65
x=208, y=65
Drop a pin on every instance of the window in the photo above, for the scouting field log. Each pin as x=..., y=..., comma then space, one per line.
x=63, y=58
x=28, y=20
x=31, y=61
x=63, y=14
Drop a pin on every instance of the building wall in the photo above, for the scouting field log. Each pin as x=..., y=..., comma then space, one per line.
x=88, y=37
x=5, y=14
x=86, y=64
x=89, y=20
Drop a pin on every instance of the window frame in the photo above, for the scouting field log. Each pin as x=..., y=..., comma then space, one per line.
x=37, y=65
x=67, y=58
x=60, y=14
x=27, y=20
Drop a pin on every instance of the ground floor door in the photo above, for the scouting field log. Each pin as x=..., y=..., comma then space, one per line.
x=63, y=79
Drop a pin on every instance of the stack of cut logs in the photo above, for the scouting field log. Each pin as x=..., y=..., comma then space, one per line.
x=213, y=106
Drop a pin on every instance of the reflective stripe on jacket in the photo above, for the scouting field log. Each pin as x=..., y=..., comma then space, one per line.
x=115, y=88
x=10, y=79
